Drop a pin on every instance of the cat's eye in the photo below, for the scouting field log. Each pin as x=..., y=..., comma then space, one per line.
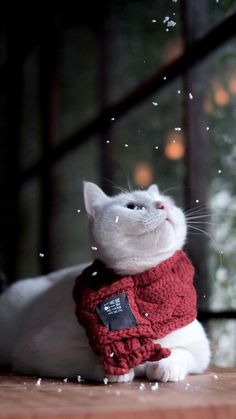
x=133, y=206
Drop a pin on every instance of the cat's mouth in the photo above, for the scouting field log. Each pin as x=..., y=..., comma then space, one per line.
x=156, y=224
x=171, y=222
x=164, y=222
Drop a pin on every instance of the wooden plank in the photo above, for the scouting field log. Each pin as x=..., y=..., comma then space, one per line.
x=210, y=395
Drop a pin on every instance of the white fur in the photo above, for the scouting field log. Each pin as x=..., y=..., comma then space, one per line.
x=39, y=331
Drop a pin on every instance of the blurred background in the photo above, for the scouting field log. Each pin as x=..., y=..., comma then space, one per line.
x=123, y=93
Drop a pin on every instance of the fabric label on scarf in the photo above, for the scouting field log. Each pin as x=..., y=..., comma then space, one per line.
x=115, y=312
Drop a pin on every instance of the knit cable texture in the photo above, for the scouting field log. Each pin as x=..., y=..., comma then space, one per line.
x=158, y=301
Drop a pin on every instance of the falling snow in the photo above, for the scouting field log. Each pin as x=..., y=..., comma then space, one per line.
x=146, y=314
x=41, y=255
x=178, y=91
x=79, y=378
x=177, y=129
x=171, y=24
x=117, y=219
x=105, y=380
x=155, y=103
x=166, y=19
x=207, y=128
x=154, y=20
x=112, y=354
x=154, y=386
x=215, y=376
x=126, y=145
x=164, y=78
x=94, y=248
x=65, y=380
x=156, y=147
x=38, y=382
x=108, y=141
x=113, y=119
x=142, y=386
x=94, y=273
x=190, y=96
x=78, y=210
x=197, y=201
x=219, y=171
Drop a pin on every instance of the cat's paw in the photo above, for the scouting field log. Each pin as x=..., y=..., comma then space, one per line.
x=125, y=378
x=166, y=370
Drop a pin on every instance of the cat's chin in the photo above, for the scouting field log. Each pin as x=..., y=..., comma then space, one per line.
x=133, y=266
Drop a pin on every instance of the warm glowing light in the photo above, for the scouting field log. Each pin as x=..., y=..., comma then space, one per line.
x=143, y=174
x=174, y=149
x=221, y=96
x=232, y=85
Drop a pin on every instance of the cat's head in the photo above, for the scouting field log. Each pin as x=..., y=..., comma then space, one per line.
x=133, y=231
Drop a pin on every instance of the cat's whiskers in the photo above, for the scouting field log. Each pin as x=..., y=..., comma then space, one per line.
x=149, y=233
x=214, y=242
x=173, y=188
x=129, y=185
x=197, y=208
x=136, y=218
x=198, y=215
x=119, y=188
x=189, y=222
x=152, y=221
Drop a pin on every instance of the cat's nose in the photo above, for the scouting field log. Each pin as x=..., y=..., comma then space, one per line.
x=161, y=205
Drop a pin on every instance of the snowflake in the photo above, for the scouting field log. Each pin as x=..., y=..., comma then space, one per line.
x=171, y=24
x=154, y=386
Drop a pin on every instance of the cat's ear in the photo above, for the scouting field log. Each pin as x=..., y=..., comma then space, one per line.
x=153, y=189
x=94, y=198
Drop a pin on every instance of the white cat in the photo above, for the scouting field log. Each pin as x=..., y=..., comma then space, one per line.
x=130, y=233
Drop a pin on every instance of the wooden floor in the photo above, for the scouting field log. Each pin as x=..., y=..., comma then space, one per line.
x=208, y=396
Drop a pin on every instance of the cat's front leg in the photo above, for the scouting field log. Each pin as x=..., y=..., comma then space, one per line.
x=125, y=378
x=173, y=368
x=182, y=361
x=100, y=375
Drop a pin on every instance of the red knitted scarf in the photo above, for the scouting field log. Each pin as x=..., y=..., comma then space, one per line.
x=122, y=316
